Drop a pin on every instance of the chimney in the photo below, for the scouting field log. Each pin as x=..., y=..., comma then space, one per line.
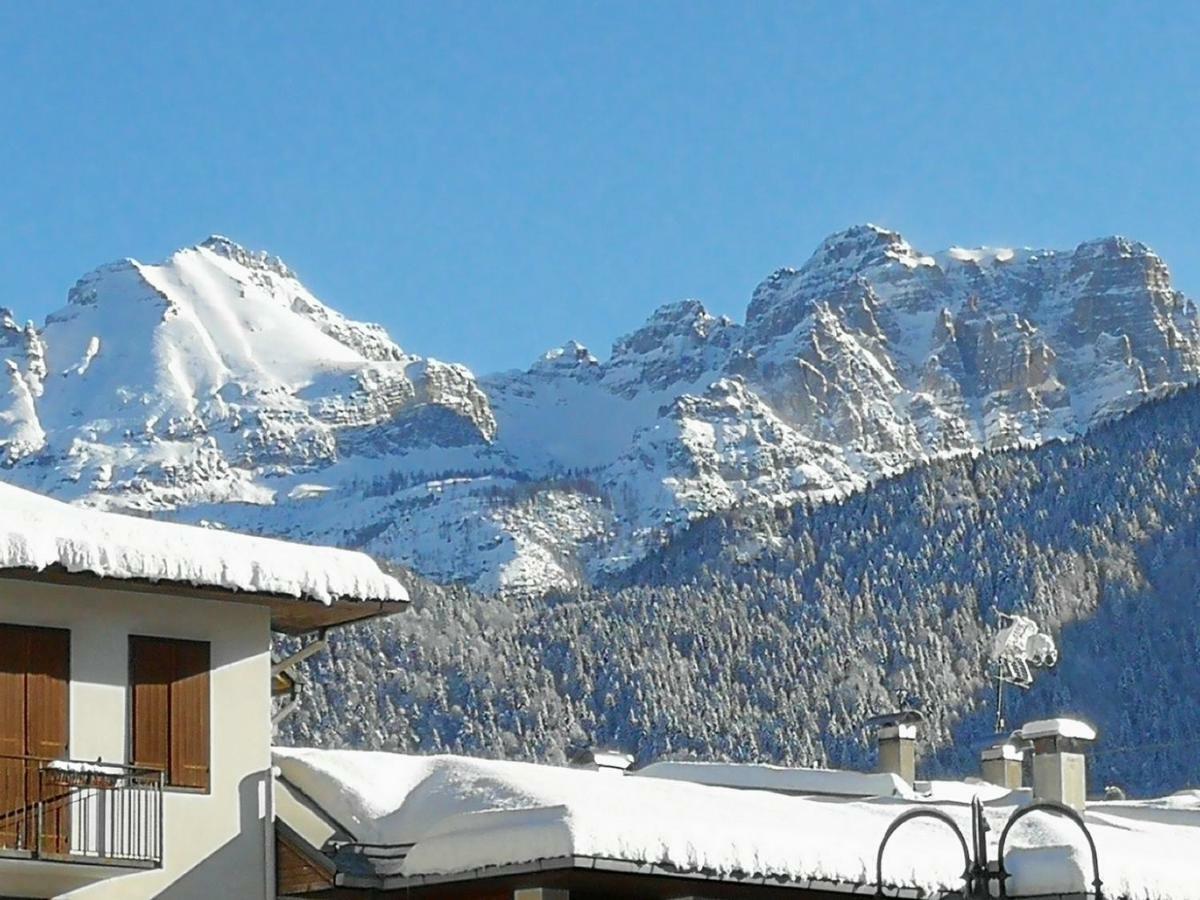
x=1002, y=763
x=897, y=739
x=1059, y=769
x=611, y=762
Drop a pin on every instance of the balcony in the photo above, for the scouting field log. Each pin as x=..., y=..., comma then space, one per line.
x=83, y=813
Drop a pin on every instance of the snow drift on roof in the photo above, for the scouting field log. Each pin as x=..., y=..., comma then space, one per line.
x=779, y=778
x=461, y=814
x=37, y=533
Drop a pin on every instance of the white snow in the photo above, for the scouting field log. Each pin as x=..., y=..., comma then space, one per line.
x=780, y=778
x=37, y=532
x=1054, y=868
x=1066, y=728
x=981, y=255
x=942, y=791
x=79, y=767
x=89, y=354
x=308, y=491
x=461, y=814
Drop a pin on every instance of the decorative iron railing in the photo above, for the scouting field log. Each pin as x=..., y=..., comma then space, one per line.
x=80, y=811
x=1048, y=806
x=979, y=873
x=969, y=873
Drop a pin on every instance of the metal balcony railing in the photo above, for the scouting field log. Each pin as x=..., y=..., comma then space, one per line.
x=76, y=811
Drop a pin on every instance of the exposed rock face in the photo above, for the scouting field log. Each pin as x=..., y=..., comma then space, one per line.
x=217, y=377
x=969, y=347
x=680, y=343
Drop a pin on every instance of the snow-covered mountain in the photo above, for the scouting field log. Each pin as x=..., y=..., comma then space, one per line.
x=215, y=387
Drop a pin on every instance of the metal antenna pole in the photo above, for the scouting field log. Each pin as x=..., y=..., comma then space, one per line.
x=999, y=705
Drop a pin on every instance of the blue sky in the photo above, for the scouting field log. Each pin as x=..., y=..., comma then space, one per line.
x=490, y=180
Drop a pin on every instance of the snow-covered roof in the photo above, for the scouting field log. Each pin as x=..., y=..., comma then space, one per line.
x=461, y=815
x=779, y=778
x=1065, y=728
x=39, y=533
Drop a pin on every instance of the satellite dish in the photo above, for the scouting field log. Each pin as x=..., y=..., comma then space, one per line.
x=1019, y=647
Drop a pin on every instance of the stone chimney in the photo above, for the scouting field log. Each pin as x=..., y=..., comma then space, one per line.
x=1059, y=768
x=897, y=739
x=1002, y=763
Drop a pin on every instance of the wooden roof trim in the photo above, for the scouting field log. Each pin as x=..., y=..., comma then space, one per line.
x=292, y=615
x=304, y=848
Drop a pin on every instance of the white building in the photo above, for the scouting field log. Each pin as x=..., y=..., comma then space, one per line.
x=135, y=709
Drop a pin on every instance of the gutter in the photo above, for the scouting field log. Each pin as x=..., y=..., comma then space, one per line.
x=617, y=866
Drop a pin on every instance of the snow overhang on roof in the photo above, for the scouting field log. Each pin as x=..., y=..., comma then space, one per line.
x=305, y=587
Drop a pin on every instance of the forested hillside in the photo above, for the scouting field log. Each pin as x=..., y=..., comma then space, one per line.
x=771, y=636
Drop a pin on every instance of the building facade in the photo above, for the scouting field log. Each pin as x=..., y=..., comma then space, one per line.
x=205, y=830
x=135, y=703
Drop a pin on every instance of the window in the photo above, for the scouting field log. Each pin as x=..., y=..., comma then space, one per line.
x=169, y=714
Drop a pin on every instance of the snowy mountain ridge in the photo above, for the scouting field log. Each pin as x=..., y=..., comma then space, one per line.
x=214, y=386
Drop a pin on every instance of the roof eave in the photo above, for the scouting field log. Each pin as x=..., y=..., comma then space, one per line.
x=817, y=887
x=289, y=615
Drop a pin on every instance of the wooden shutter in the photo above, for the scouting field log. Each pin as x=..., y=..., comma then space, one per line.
x=151, y=664
x=35, y=676
x=14, y=662
x=169, y=683
x=46, y=728
x=13, y=657
x=47, y=722
x=189, y=715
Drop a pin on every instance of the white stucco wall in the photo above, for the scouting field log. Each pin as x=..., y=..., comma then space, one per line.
x=215, y=844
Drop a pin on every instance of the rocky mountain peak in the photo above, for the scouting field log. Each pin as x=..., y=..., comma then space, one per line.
x=570, y=357
x=251, y=259
x=684, y=320
x=1113, y=245
x=208, y=371
x=679, y=343
x=215, y=383
x=847, y=269
x=86, y=291
x=863, y=247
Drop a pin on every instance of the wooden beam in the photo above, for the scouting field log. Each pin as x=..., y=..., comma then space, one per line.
x=296, y=872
